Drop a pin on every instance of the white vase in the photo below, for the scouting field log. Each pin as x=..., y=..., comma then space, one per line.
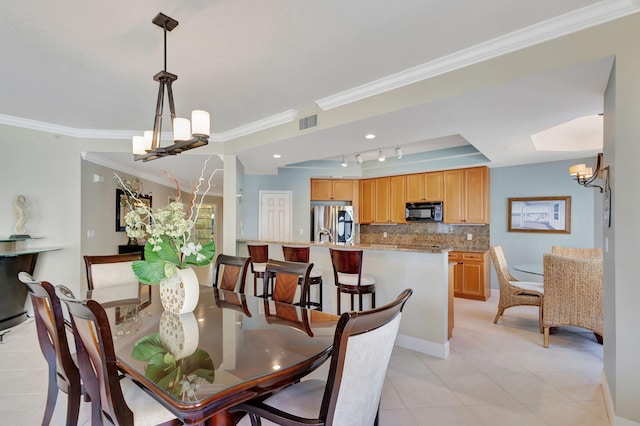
x=180, y=292
x=179, y=333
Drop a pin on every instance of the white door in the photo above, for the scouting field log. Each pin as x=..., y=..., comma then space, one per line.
x=275, y=215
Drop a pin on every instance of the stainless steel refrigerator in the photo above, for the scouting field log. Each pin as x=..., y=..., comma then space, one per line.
x=332, y=224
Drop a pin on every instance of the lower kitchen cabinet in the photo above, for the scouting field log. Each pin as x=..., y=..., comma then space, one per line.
x=472, y=275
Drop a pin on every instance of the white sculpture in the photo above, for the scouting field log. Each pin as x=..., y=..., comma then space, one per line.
x=20, y=211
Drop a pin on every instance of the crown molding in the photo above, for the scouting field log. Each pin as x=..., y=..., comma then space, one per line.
x=257, y=126
x=97, y=159
x=247, y=129
x=568, y=23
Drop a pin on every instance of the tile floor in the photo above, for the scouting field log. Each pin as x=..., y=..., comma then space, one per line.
x=496, y=375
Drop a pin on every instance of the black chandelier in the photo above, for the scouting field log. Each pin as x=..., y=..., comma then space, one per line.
x=187, y=135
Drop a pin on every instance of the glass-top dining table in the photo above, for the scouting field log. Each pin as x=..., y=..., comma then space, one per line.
x=230, y=349
x=530, y=268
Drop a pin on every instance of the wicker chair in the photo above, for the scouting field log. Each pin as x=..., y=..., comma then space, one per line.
x=573, y=294
x=512, y=291
x=583, y=253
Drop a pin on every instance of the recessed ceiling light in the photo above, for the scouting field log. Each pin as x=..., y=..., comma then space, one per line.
x=370, y=136
x=277, y=156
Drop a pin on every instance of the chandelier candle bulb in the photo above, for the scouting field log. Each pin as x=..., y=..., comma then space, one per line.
x=200, y=122
x=138, y=145
x=181, y=129
x=148, y=140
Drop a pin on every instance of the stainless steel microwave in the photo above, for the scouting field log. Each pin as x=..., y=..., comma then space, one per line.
x=424, y=212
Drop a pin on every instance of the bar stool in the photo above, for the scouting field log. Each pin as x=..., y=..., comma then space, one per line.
x=259, y=255
x=301, y=254
x=347, y=273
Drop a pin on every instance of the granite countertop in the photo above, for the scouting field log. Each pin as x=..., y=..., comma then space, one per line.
x=391, y=247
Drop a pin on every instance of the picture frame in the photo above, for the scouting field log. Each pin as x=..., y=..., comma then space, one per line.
x=122, y=208
x=540, y=214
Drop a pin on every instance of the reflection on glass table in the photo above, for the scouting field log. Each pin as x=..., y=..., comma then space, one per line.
x=228, y=351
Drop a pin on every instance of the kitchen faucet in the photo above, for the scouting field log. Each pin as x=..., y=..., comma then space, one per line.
x=324, y=231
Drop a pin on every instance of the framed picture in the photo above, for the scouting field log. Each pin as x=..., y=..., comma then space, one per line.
x=122, y=207
x=540, y=214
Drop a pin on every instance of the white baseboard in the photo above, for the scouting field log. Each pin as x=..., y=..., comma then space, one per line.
x=423, y=346
x=608, y=402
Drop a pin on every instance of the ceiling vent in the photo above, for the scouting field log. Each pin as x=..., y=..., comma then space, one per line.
x=310, y=121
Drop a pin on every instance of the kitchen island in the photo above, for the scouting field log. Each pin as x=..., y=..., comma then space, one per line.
x=425, y=318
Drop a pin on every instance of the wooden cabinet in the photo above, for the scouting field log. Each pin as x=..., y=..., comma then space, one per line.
x=472, y=275
x=331, y=189
x=367, y=200
x=450, y=300
x=466, y=195
x=388, y=200
x=425, y=187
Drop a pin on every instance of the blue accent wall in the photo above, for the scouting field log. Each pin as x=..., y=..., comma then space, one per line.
x=539, y=180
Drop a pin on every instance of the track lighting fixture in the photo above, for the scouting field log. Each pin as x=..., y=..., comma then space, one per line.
x=358, y=158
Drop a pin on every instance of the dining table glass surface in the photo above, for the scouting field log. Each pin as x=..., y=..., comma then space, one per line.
x=231, y=348
x=530, y=268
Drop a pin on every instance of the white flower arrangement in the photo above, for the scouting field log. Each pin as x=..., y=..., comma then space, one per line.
x=168, y=231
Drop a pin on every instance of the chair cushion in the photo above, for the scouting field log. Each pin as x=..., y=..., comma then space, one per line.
x=301, y=399
x=259, y=267
x=352, y=279
x=528, y=285
x=110, y=274
x=146, y=410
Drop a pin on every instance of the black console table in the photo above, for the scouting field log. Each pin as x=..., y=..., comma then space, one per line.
x=13, y=294
x=131, y=248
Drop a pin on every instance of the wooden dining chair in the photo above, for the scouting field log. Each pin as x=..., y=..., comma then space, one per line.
x=52, y=337
x=348, y=276
x=514, y=292
x=111, y=280
x=284, y=277
x=351, y=393
x=117, y=398
x=231, y=272
x=301, y=254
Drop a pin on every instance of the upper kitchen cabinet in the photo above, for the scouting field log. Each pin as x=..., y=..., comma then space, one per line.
x=466, y=196
x=367, y=200
x=389, y=195
x=425, y=187
x=331, y=189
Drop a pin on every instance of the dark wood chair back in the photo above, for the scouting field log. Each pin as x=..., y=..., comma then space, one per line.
x=346, y=262
x=258, y=254
x=52, y=337
x=97, y=359
x=231, y=272
x=296, y=254
x=284, y=277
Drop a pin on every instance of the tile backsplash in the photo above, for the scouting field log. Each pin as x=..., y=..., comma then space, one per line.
x=428, y=234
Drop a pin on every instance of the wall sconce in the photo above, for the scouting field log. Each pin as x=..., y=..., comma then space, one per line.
x=585, y=176
x=381, y=156
x=399, y=153
x=239, y=195
x=358, y=158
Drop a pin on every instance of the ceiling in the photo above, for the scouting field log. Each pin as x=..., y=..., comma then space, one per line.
x=85, y=69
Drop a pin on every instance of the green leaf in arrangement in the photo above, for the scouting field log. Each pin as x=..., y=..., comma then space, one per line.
x=208, y=251
x=148, y=272
x=167, y=252
x=147, y=347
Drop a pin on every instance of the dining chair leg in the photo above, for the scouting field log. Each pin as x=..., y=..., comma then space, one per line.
x=373, y=300
x=540, y=316
x=352, y=305
x=52, y=395
x=255, y=285
x=338, y=301
x=320, y=294
x=360, y=300
x=546, y=337
x=498, y=315
x=73, y=405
